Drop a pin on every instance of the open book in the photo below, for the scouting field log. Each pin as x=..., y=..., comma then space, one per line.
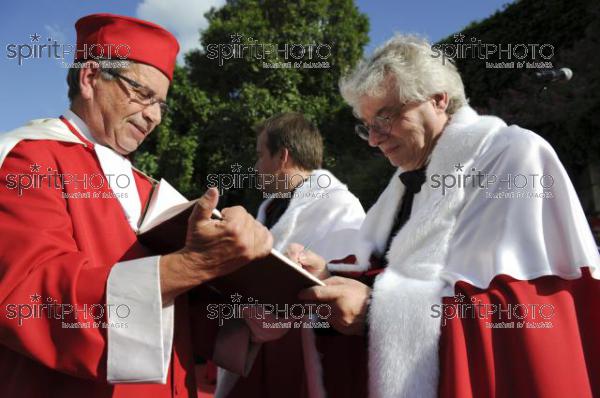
x=274, y=279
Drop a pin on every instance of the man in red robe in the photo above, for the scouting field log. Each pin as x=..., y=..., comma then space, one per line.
x=489, y=277
x=86, y=310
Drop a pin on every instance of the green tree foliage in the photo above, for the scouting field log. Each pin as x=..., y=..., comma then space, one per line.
x=215, y=104
x=566, y=114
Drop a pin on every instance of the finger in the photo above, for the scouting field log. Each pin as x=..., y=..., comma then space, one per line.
x=235, y=213
x=293, y=251
x=238, y=225
x=311, y=259
x=320, y=293
x=337, y=281
x=205, y=205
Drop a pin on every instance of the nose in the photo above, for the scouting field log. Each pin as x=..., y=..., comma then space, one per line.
x=152, y=114
x=375, y=139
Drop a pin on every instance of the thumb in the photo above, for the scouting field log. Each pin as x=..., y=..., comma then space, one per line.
x=206, y=204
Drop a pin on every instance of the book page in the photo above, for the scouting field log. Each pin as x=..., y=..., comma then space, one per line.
x=165, y=202
x=298, y=267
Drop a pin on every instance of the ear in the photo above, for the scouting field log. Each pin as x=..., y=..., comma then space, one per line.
x=88, y=77
x=284, y=157
x=440, y=102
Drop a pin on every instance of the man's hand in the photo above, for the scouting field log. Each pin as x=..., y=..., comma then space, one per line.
x=310, y=261
x=213, y=247
x=348, y=299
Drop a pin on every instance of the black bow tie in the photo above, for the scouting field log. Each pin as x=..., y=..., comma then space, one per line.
x=413, y=180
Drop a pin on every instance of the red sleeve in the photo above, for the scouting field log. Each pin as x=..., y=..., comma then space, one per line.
x=367, y=277
x=536, y=338
x=41, y=261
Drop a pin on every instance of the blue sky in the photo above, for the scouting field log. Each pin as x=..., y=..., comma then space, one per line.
x=37, y=88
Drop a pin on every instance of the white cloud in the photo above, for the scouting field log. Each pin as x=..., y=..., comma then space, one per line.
x=183, y=18
x=56, y=33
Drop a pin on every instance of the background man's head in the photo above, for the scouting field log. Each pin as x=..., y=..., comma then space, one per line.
x=404, y=96
x=121, y=78
x=287, y=146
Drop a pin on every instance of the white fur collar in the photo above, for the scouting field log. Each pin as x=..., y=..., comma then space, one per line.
x=454, y=145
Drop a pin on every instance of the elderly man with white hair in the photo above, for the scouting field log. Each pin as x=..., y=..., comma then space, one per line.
x=487, y=273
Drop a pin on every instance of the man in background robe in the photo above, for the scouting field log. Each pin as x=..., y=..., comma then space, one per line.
x=305, y=205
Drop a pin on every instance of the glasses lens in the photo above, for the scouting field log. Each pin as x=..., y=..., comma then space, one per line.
x=381, y=125
x=362, y=131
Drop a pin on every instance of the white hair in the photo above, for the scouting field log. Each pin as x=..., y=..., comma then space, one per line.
x=408, y=62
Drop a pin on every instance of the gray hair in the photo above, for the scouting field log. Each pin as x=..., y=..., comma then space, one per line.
x=409, y=62
x=118, y=66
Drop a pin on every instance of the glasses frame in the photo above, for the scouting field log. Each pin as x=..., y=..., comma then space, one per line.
x=382, y=125
x=145, y=95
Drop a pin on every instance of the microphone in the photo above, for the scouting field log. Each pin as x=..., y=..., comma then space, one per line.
x=554, y=75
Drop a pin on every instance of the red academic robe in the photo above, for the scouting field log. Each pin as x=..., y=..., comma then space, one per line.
x=279, y=367
x=63, y=249
x=547, y=349
x=550, y=350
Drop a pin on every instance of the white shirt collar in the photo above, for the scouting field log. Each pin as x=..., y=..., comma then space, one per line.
x=113, y=164
x=79, y=125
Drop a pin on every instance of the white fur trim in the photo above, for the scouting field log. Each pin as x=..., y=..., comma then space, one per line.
x=407, y=364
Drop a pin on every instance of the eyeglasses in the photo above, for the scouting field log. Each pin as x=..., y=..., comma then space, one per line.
x=381, y=125
x=144, y=95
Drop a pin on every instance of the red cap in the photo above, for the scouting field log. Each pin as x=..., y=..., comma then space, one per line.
x=118, y=37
